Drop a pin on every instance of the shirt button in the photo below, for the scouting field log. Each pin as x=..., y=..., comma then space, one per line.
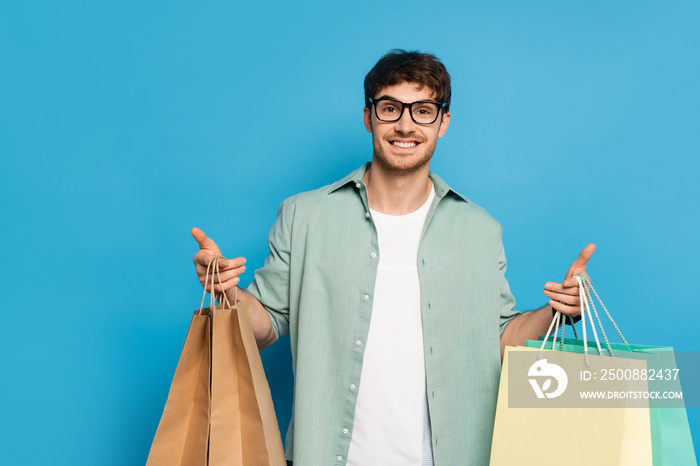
x=339, y=458
x=352, y=387
x=357, y=185
x=373, y=255
x=358, y=342
x=345, y=432
x=367, y=214
x=366, y=297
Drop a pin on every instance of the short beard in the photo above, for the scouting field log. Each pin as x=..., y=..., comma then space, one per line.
x=392, y=170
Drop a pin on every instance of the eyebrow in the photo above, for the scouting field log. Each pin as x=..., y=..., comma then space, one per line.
x=385, y=96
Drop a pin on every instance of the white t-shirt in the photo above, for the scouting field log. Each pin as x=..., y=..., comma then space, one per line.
x=391, y=424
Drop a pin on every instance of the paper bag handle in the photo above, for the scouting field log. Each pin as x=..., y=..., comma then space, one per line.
x=213, y=266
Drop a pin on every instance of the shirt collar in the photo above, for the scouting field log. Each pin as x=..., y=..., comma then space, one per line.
x=441, y=188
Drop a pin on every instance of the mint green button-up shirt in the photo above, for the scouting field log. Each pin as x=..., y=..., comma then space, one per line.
x=317, y=284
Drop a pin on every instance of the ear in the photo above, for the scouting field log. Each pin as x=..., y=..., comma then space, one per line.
x=444, y=123
x=368, y=120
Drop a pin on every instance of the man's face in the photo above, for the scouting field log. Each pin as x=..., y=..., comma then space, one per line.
x=403, y=146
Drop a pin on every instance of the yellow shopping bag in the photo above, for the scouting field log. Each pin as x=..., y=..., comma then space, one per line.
x=601, y=436
x=558, y=407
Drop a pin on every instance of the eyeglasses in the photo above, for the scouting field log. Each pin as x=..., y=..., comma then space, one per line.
x=423, y=112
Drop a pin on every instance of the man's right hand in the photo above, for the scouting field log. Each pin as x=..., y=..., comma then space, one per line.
x=229, y=269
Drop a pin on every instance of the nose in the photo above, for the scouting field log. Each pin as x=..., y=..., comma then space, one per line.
x=405, y=124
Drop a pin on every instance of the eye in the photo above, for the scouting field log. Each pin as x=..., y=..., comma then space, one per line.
x=424, y=110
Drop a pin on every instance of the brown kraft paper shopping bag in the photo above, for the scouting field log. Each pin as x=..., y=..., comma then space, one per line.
x=219, y=410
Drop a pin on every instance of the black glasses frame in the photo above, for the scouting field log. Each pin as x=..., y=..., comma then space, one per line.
x=410, y=109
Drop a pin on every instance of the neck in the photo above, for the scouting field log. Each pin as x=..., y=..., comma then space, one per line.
x=397, y=194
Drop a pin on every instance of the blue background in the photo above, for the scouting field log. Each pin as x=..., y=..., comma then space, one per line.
x=123, y=124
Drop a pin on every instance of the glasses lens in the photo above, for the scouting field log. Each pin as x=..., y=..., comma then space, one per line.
x=388, y=110
x=422, y=112
x=425, y=112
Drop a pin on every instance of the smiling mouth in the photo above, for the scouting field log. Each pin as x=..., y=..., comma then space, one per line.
x=404, y=145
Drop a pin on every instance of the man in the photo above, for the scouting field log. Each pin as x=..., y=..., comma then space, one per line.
x=392, y=288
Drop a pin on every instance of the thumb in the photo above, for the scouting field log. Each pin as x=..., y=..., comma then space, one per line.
x=579, y=265
x=204, y=241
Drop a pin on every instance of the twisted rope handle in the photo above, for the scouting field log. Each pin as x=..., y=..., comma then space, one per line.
x=589, y=288
x=223, y=295
x=213, y=266
x=555, y=319
x=587, y=303
x=585, y=309
x=563, y=329
x=573, y=326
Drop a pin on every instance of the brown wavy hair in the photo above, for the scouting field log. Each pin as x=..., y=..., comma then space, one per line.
x=399, y=66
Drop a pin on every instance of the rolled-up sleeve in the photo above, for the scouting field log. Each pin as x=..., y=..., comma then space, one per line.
x=271, y=283
x=508, y=311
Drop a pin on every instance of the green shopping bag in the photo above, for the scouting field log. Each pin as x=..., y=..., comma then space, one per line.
x=670, y=431
x=672, y=443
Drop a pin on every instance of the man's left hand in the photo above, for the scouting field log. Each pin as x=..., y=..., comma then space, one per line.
x=564, y=297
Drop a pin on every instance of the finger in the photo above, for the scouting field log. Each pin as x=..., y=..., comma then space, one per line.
x=579, y=265
x=565, y=308
x=202, y=264
x=203, y=257
x=227, y=285
x=571, y=281
x=571, y=300
x=229, y=274
x=217, y=285
x=563, y=287
x=204, y=241
x=230, y=264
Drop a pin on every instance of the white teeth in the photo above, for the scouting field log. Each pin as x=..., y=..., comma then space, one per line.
x=404, y=145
